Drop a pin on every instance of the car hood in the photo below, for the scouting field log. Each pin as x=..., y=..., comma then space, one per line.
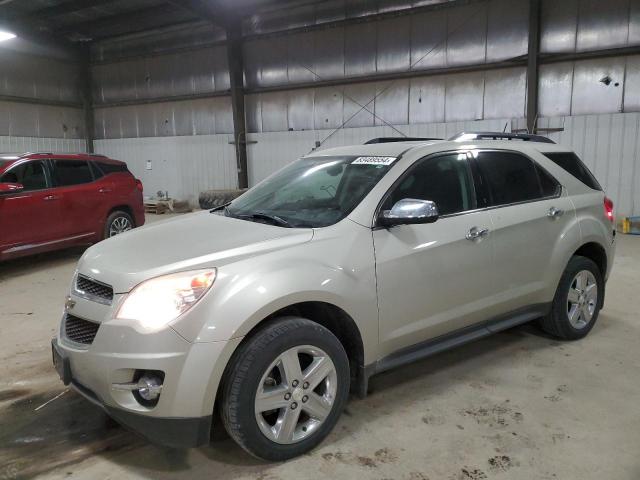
x=184, y=243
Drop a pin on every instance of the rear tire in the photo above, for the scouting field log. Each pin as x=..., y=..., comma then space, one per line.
x=577, y=301
x=299, y=368
x=117, y=222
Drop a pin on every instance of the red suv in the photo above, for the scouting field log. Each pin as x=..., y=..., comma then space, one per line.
x=50, y=201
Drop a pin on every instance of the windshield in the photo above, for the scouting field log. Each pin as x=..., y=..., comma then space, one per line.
x=312, y=192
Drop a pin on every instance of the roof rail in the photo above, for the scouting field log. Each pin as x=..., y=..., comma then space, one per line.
x=525, y=137
x=399, y=139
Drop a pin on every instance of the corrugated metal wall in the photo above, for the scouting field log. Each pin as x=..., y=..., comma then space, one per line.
x=200, y=71
x=472, y=34
x=39, y=73
x=32, y=120
x=38, y=77
x=205, y=116
x=437, y=99
x=183, y=166
x=40, y=144
x=164, y=97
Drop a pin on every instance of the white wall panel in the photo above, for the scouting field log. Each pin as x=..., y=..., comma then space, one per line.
x=274, y=150
x=183, y=166
x=609, y=145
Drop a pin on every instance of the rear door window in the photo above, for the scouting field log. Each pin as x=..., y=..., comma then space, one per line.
x=510, y=178
x=71, y=172
x=549, y=185
x=571, y=163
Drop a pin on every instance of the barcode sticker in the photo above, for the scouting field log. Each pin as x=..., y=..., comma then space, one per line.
x=373, y=161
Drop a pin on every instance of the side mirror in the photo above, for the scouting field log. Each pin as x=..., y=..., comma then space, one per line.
x=409, y=211
x=9, y=188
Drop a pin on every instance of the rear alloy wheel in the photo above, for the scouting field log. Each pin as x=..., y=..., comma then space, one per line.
x=582, y=299
x=117, y=223
x=577, y=301
x=284, y=388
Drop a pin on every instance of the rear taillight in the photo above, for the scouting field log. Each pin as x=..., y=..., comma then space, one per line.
x=138, y=184
x=608, y=208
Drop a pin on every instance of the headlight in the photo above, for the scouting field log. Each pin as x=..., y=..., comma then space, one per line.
x=156, y=302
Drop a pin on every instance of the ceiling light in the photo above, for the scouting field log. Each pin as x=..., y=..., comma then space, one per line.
x=6, y=35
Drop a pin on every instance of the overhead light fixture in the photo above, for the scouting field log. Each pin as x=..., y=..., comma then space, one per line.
x=6, y=35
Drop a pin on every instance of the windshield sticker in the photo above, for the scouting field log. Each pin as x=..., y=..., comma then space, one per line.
x=373, y=161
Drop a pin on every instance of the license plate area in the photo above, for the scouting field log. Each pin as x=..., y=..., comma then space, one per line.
x=61, y=363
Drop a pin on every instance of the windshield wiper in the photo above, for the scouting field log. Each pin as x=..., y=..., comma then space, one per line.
x=220, y=207
x=276, y=220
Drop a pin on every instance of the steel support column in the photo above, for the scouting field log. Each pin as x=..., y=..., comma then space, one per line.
x=87, y=101
x=532, y=64
x=236, y=77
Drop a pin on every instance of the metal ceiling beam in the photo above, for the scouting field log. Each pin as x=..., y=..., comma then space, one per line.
x=532, y=65
x=366, y=18
x=26, y=31
x=129, y=18
x=39, y=101
x=586, y=55
x=517, y=62
x=217, y=16
x=71, y=6
x=173, y=98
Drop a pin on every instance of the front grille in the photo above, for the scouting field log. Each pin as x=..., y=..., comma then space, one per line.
x=93, y=290
x=79, y=330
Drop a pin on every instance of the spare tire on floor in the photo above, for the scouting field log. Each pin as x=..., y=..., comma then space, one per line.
x=215, y=198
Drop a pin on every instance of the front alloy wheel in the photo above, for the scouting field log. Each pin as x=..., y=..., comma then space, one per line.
x=296, y=394
x=284, y=388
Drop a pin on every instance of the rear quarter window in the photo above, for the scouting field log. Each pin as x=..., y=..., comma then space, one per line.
x=572, y=164
x=107, y=168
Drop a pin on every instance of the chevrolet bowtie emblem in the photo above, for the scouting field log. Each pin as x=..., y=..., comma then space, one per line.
x=69, y=304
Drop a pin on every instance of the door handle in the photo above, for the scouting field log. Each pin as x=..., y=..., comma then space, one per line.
x=104, y=190
x=476, y=233
x=48, y=198
x=555, y=212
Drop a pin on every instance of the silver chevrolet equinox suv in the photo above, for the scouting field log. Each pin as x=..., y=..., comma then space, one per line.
x=266, y=312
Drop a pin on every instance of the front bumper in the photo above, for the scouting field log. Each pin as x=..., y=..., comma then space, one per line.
x=173, y=432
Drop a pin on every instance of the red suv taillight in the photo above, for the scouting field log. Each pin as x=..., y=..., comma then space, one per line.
x=608, y=209
x=138, y=184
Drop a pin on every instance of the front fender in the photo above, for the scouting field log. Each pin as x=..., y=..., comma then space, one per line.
x=328, y=269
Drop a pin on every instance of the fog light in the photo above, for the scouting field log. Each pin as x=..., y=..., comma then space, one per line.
x=146, y=387
x=149, y=387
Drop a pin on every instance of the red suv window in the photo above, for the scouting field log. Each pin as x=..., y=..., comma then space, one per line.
x=71, y=172
x=31, y=175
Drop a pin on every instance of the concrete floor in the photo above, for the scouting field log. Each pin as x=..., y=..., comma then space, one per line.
x=518, y=405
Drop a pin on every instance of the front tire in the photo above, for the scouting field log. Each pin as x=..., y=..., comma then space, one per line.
x=577, y=301
x=285, y=388
x=117, y=222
